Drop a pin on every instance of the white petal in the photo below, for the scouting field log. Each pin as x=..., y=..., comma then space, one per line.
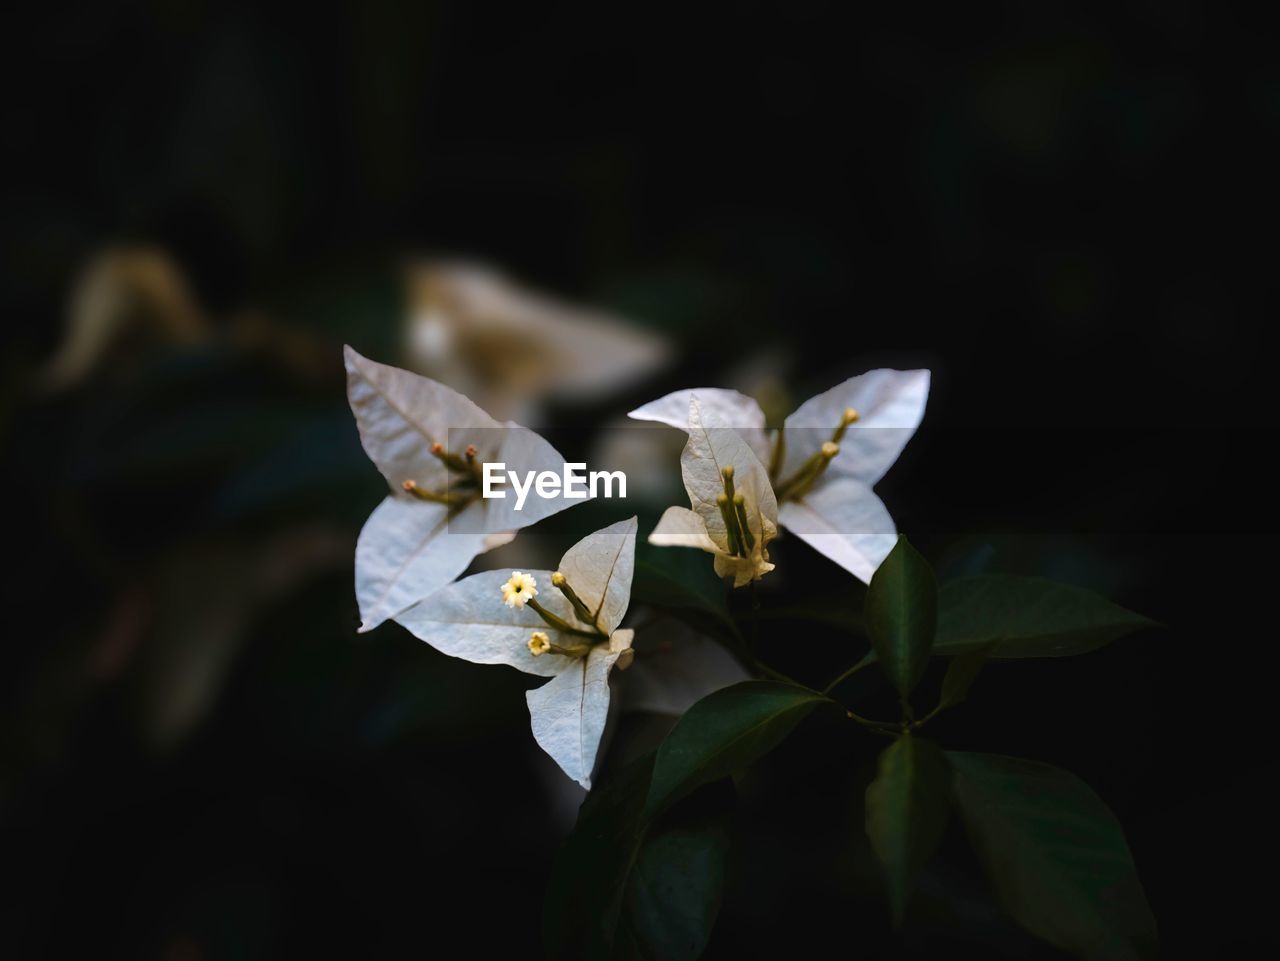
x=599, y=568
x=400, y=415
x=681, y=527
x=407, y=550
x=890, y=406
x=497, y=539
x=727, y=407
x=468, y=619
x=845, y=520
x=568, y=713
x=537, y=343
x=675, y=668
x=523, y=450
x=743, y=570
x=713, y=446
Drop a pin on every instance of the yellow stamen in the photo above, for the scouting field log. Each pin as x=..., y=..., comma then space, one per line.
x=807, y=475
x=740, y=511
x=850, y=416
x=779, y=453
x=455, y=463
x=561, y=582
x=730, y=525
x=411, y=487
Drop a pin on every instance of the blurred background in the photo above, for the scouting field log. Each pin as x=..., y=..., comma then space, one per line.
x=1066, y=215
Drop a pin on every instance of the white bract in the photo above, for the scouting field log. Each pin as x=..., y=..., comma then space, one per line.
x=514, y=347
x=568, y=632
x=826, y=459
x=734, y=513
x=434, y=521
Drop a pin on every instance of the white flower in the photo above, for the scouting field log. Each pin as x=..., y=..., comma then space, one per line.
x=518, y=589
x=824, y=498
x=574, y=644
x=734, y=513
x=433, y=522
x=513, y=347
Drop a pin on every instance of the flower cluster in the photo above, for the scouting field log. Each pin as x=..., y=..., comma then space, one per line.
x=813, y=475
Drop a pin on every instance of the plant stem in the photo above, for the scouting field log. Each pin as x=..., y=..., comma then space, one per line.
x=845, y=676
x=880, y=727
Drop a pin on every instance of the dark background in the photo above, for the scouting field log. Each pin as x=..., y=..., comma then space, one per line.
x=1067, y=215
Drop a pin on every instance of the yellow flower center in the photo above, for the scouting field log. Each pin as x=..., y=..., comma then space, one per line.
x=519, y=589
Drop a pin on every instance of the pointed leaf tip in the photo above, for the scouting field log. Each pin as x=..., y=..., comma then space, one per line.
x=723, y=733
x=907, y=812
x=902, y=615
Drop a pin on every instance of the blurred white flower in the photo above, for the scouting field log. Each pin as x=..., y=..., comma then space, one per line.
x=734, y=513
x=514, y=348
x=433, y=522
x=675, y=668
x=826, y=459
x=124, y=296
x=570, y=635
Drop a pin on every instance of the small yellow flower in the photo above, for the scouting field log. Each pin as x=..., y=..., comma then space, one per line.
x=539, y=643
x=519, y=589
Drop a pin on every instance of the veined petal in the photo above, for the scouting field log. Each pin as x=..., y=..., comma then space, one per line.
x=727, y=407
x=467, y=619
x=845, y=520
x=406, y=551
x=568, y=713
x=600, y=567
x=681, y=527
x=890, y=406
x=524, y=450
x=712, y=446
x=400, y=415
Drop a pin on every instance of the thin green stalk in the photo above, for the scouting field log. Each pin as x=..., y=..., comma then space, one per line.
x=845, y=676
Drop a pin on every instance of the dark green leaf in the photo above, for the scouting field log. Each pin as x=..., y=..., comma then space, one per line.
x=621, y=885
x=724, y=733
x=1027, y=617
x=588, y=879
x=1055, y=854
x=674, y=892
x=902, y=615
x=961, y=673
x=907, y=809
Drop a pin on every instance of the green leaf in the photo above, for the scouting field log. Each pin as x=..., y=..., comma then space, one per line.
x=621, y=885
x=961, y=673
x=1027, y=617
x=724, y=733
x=677, y=880
x=1055, y=855
x=902, y=615
x=908, y=805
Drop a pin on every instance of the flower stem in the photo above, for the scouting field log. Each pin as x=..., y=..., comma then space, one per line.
x=560, y=624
